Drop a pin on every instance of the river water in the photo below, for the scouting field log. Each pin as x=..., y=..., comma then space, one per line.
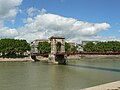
x=42, y=76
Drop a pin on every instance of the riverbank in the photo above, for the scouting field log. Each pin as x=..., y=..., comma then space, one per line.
x=94, y=57
x=71, y=57
x=86, y=58
x=25, y=59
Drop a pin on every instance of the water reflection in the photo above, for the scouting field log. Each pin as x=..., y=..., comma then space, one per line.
x=57, y=79
x=98, y=68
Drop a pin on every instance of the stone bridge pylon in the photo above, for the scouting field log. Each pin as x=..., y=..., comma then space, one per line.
x=57, y=50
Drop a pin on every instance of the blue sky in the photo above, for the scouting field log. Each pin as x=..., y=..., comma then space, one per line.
x=90, y=11
x=86, y=10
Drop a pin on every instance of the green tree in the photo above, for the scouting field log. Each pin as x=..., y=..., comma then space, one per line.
x=13, y=46
x=58, y=45
x=90, y=46
x=44, y=47
x=111, y=46
x=67, y=47
x=73, y=49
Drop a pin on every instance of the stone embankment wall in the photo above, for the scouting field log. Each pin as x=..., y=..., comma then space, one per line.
x=94, y=57
x=16, y=59
x=70, y=57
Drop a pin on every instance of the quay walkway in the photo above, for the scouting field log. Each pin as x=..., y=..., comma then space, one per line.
x=108, y=86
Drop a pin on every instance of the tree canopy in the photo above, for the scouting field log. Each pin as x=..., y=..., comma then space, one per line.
x=13, y=46
x=44, y=47
x=67, y=47
x=111, y=46
x=58, y=45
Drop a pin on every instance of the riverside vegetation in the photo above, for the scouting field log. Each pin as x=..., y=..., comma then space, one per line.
x=45, y=47
x=13, y=48
x=110, y=46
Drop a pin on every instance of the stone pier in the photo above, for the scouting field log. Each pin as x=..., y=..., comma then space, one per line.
x=57, y=50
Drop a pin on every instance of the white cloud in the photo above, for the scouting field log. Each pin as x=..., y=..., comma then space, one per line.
x=41, y=25
x=46, y=25
x=34, y=11
x=43, y=11
x=8, y=9
x=93, y=29
x=6, y=32
x=30, y=11
x=28, y=20
x=106, y=38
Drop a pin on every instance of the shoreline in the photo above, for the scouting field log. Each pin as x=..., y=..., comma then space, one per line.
x=94, y=57
x=26, y=59
x=106, y=86
x=69, y=58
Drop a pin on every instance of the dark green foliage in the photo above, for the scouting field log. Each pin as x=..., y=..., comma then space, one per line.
x=70, y=48
x=111, y=46
x=89, y=47
x=13, y=46
x=67, y=47
x=44, y=47
x=73, y=49
x=58, y=46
